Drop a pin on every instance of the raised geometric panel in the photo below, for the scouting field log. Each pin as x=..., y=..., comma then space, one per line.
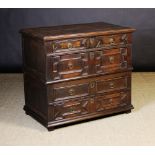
x=110, y=102
x=71, y=108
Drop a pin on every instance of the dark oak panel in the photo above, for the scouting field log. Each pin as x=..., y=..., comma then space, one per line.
x=119, y=40
x=70, y=109
x=88, y=63
x=85, y=87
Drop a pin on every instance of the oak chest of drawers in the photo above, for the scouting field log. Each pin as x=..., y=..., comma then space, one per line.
x=76, y=72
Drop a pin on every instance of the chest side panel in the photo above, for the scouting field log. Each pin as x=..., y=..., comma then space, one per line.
x=34, y=57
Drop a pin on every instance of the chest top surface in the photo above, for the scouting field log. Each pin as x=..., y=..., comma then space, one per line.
x=75, y=30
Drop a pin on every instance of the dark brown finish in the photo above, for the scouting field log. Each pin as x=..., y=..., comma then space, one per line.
x=89, y=43
x=68, y=109
x=76, y=72
x=90, y=86
x=88, y=63
x=76, y=30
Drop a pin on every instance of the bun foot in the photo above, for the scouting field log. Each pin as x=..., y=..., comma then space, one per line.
x=128, y=111
x=50, y=128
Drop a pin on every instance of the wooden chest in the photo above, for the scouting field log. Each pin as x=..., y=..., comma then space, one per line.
x=76, y=72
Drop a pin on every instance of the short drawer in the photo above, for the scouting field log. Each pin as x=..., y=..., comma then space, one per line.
x=111, y=101
x=85, y=87
x=113, y=84
x=88, y=43
x=88, y=63
x=115, y=40
x=68, y=109
x=115, y=59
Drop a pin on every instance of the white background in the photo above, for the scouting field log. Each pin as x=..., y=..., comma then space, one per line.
x=70, y=150
x=77, y=3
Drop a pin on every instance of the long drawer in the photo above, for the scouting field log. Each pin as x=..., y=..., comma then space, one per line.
x=82, y=64
x=85, y=87
x=68, y=109
x=88, y=43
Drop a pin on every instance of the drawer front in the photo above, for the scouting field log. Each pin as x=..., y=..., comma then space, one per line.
x=85, y=87
x=114, y=40
x=89, y=43
x=67, y=66
x=111, y=101
x=112, y=84
x=70, y=91
x=115, y=59
x=88, y=63
x=68, y=109
x=71, y=108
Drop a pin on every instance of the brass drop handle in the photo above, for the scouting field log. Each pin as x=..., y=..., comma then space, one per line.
x=71, y=109
x=53, y=46
x=111, y=84
x=70, y=65
x=111, y=40
x=111, y=59
x=92, y=85
x=111, y=100
x=71, y=92
x=91, y=100
x=70, y=45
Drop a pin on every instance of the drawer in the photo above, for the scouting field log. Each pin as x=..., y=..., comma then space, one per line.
x=68, y=109
x=113, y=84
x=71, y=108
x=88, y=63
x=111, y=101
x=85, y=87
x=88, y=43
x=114, y=40
x=67, y=66
x=115, y=59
